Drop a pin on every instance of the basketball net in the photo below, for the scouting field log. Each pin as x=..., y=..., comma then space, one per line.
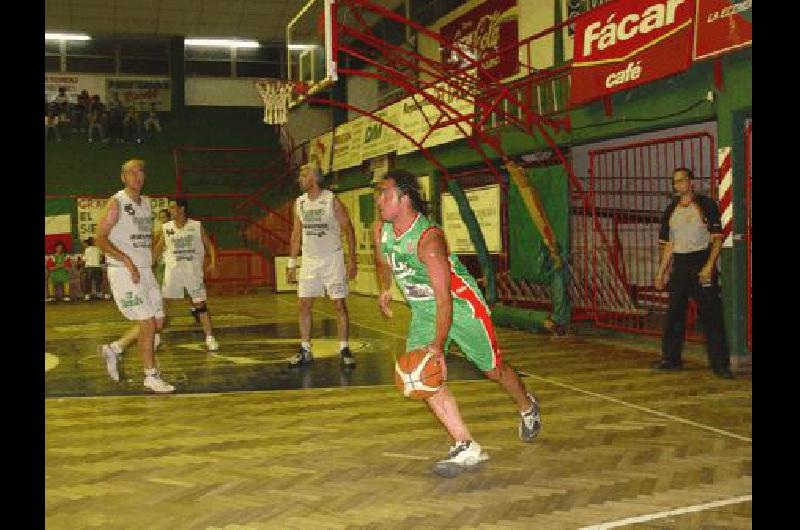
x=277, y=95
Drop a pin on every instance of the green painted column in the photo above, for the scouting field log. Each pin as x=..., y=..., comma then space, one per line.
x=734, y=106
x=177, y=75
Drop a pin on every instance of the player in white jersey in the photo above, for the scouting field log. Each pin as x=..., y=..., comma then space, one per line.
x=124, y=233
x=319, y=218
x=184, y=242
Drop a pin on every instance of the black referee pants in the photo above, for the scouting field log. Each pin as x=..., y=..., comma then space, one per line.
x=683, y=284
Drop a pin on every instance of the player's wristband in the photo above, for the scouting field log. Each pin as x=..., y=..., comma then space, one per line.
x=292, y=263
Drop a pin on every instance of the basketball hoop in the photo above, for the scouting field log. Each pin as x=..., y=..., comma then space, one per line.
x=277, y=94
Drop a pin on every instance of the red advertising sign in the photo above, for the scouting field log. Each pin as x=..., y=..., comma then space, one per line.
x=486, y=29
x=721, y=26
x=627, y=43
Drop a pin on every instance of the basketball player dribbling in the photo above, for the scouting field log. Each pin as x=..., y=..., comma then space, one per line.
x=446, y=305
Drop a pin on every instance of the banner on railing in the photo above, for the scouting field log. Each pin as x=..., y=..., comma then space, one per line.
x=90, y=209
x=722, y=26
x=485, y=203
x=482, y=31
x=629, y=43
x=141, y=93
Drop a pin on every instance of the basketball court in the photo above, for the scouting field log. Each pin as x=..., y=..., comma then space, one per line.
x=247, y=442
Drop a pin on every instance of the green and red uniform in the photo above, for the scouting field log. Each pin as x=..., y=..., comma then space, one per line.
x=471, y=328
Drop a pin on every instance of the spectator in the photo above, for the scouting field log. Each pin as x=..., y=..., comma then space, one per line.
x=80, y=112
x=58, y=266
x=51, y=121
x=152, y=120
x=116, y=118
x=92, y=257
x=61, y=98
x=95, y=118
x=133, y=125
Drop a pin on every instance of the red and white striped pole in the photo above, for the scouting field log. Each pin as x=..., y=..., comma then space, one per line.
x=726, y=195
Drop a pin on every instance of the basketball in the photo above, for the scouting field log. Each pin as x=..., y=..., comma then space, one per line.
x=417, y=375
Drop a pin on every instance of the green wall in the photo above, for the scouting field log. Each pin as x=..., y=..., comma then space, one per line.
x=527, y=251
x=76, y=167
x=678, y=100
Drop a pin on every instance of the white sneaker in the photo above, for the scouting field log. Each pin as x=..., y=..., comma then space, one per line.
x=87, y=297
x=67, y=299
x=156, y=384
x=463, y=456
x=107, y=296
x=112, y=359
x=49, y=299
x=531, y=422
x=211, y=343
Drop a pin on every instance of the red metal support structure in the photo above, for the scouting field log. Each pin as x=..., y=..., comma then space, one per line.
x=748, y=234
x=630, y=186
x=260, y=225
x=494, y=103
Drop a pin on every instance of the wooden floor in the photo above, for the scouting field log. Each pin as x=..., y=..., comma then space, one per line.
x=620, y=445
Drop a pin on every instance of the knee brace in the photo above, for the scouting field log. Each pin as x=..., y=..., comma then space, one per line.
x=197, y=310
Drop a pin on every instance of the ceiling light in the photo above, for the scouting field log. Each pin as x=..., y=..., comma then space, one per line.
x=223, y=43
x=65, y=36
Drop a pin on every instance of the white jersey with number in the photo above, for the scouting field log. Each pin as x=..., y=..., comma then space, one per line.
x=183, y=247
x=133, y=233
x=321, y=232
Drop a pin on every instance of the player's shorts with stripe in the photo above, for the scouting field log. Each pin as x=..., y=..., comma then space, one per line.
x=136, y=301
x=472, y=330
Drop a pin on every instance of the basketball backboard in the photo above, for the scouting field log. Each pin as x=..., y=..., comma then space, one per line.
x=309, y=42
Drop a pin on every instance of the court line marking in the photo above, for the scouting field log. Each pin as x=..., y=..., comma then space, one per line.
x=601, y=396
x=170, y=482
x=641, y=408
x=662, y=515
x=546, y=380
x=409, y=457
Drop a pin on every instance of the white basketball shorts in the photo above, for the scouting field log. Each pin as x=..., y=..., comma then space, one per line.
x=320, y=275
x=176, y=279
x=136, y=301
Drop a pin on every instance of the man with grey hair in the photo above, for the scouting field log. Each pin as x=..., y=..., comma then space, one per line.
x=319, y=218
x=124, y=234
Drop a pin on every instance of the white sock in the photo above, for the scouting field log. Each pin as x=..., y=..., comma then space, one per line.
x=343, y=345
x=306, y=345
x=115, y=347
x=150, y=371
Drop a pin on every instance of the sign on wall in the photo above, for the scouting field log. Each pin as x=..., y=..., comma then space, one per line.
x=485, y=202
x=627, y=43
x=89, y=210
x=483, y=31
x=319, y=151
x=53, y=82
x=347, y=144
x=141, y=93
x=418, y=112
x=722, y=26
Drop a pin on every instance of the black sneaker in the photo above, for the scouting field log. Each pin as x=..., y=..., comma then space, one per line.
x=723, y=373
x=347, y=357
x=302, y=358
x=666, y=366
